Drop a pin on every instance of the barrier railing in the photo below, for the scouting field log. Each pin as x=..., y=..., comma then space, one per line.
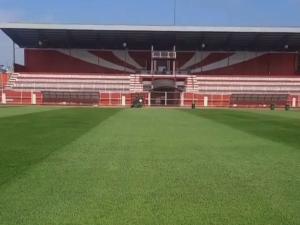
x=126, y=99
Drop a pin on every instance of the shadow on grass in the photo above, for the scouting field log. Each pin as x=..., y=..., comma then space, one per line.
x=275, y=128
x=27, y=139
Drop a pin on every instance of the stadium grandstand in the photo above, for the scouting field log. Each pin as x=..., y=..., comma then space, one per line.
x=112, y=65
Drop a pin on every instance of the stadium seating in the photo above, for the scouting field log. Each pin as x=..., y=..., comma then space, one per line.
x=246, y=85
x=108, y=89
x=70, y=82
x=259, y=99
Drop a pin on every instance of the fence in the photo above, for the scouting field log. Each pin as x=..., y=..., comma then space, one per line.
x=126, y=99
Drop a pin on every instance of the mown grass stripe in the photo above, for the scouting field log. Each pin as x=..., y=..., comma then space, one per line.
x=10, y=111
x=27, y=139
x=280, y=129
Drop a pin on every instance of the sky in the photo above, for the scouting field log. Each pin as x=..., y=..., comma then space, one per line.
x=146, y=12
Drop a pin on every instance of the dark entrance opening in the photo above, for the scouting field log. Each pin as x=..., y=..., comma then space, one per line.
x=165, y=92
x=57, y=97
x=165, y=97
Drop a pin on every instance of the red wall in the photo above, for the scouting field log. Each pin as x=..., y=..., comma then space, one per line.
x=52, y=61
x=269, y=64
x=3, y=79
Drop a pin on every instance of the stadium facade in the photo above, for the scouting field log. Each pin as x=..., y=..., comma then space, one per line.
x=164, y=65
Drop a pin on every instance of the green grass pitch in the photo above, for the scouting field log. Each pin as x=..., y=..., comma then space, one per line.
x=74, y=166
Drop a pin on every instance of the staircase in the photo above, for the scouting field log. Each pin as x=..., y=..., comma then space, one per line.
x=191, y=84
x=12, y=79
x=135, y=83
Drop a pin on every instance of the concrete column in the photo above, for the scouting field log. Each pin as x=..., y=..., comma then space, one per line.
x=166, y=97
x=151, y=66
x=182, y=99
x=3, y=98
x=33, y=98
x=174, y=67
x=123, y=100
x=149, y=98
x=294, y=102
x=205, y=103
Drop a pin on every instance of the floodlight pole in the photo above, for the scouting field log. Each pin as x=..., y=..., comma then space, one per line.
x=14, y=56
x=2, y=85
x=174, y=61
x=152, y=63
x=125, y=55
x=174, y=13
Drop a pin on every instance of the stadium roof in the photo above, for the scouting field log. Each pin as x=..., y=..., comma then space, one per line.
x=161, y=37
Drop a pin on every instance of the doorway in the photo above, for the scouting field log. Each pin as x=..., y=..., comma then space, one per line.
x=165, y=97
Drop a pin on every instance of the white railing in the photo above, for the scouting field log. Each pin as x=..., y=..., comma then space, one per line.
x=246, y=84
x=247, y=78
x=71, y=82
x=73, y=76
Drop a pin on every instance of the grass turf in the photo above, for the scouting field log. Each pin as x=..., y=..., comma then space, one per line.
x=153, y=166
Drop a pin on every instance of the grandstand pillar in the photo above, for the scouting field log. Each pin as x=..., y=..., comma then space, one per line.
x=174, y=67
x=166, y=98
x=109, y=98
x=33, y=98
x=151, y=66
x=3, y=99
x=294, y=102
x=205, y=101
x=149, y=98
x=182, y=99
x=123, y=99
